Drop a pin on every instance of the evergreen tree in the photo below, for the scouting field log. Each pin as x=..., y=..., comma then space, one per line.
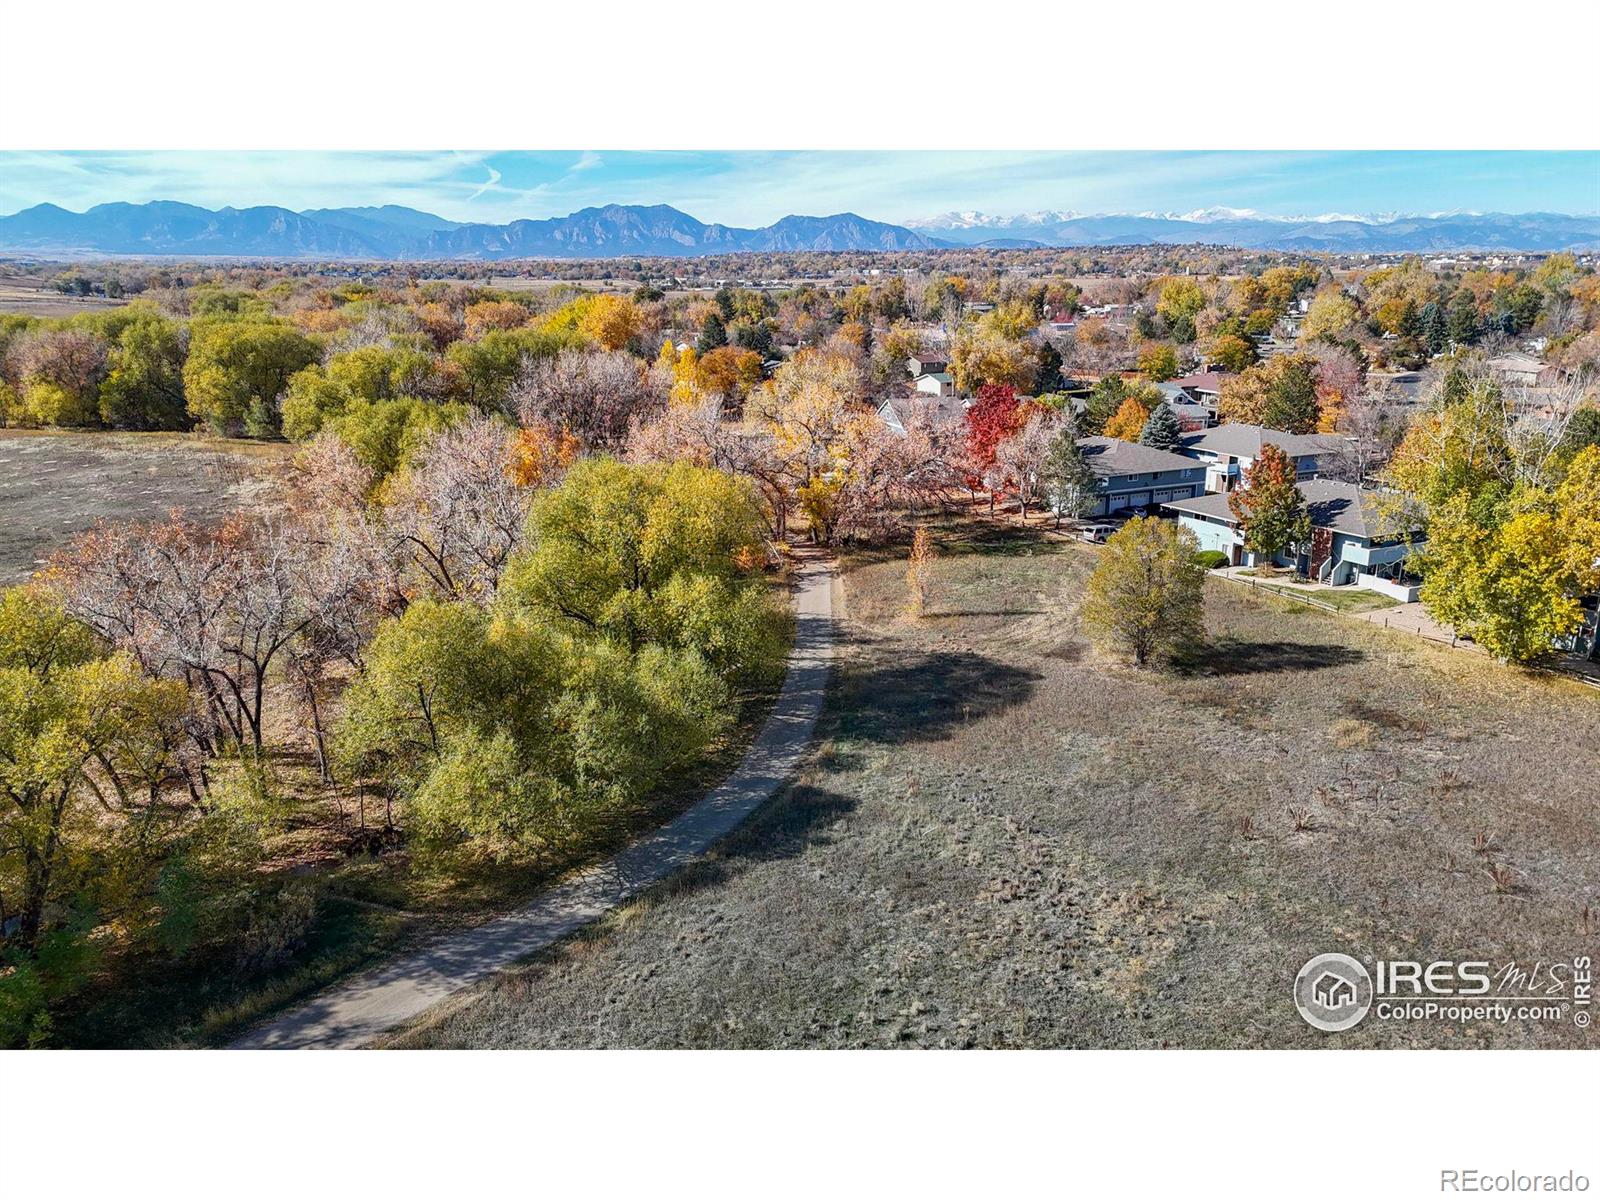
x=1068, y=481
x=1162, y=431
x=713, y=333
x=1463, y=320
x=1435, y=328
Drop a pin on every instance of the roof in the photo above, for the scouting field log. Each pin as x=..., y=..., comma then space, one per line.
x=1245, y=441
x=1517, y=362
x=1205, y=381
x=941, y=376
x=898, y=412
x=1331, y=504
x=1111, y=456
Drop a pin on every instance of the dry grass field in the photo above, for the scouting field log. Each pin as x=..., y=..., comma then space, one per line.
x=34, y=297
x=1006, y=840
x=54, y=485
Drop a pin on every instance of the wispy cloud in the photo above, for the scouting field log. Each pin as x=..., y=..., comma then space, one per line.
x=752, y=188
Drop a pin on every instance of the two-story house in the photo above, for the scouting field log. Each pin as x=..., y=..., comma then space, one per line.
x=1229, y=450
x=1353, y=538
x=1134, y=476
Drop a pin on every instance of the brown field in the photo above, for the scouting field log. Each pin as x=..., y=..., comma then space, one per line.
x=54, y=485
x=36, y=298
x=1005, y=840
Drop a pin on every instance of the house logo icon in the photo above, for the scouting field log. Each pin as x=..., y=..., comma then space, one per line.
x=1333, y=992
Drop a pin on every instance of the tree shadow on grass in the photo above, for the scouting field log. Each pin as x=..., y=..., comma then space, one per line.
x=1231, y=656
x=922, y=696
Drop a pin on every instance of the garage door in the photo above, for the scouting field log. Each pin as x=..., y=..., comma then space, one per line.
x=1136, y=500
x=1174, y=494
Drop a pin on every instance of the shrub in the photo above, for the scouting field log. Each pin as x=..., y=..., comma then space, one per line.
x=1211, y=559
x=1146, y=595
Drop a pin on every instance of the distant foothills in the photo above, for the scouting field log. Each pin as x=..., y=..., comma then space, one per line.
x=392, y=232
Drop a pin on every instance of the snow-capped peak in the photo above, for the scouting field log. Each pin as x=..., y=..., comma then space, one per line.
x=978, y=220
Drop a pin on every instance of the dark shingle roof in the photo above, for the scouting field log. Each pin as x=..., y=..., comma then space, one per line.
x=1331, y=503
x=1246, y=441
x=1111, y=456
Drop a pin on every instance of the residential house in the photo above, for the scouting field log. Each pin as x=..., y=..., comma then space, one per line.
x=936, y=383
x=1229, y=450
x=1134, y=476
x=899, y=413
x=1352, y=540
x=1523, y=369
x=1203, y=388
x=1192, y=417
x=920, y=365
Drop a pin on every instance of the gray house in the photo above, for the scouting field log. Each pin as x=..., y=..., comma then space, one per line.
x=899, y=413
x=1135, y=476
x=1350, y=541
x=1229, y=450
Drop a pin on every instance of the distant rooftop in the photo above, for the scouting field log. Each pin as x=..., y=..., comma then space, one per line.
x=1245, y=441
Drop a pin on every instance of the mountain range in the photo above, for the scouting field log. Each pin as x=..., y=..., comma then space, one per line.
x=169, y=228
x=1330, y=232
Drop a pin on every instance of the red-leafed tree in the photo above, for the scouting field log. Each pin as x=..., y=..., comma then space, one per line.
x=1270, y=508
x=992, y=418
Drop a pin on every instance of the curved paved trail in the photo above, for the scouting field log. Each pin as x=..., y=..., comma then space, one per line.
x=354, y=1013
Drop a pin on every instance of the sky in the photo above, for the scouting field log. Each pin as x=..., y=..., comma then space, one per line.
x=750, y=188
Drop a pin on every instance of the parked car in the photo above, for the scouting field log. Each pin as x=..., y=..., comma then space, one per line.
x=1095, y=533
x=1127, y=514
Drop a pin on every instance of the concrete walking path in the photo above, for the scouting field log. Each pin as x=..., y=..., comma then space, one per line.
x=356, y=1012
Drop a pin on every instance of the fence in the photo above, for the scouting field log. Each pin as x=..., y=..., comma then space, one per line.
x=1284, y=593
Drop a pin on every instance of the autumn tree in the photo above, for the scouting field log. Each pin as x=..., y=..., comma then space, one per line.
x=84, y=733
x=1280, y=393
x=1270, y=508
x=1158, y=362
x=1331, y=313
x=143, y=388
x=919, y=572
x=1145, y=597
x=991, y=418
x=236, y=370
x=595, y=396
x=1128, y=421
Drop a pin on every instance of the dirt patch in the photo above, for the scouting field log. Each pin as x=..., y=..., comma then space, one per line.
x=55, y=485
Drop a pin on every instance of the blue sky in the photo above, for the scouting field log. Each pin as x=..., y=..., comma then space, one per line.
x=755, y=188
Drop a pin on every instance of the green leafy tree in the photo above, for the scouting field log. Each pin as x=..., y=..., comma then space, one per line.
x=144, y=388
x=236, y=371
x=668, y=555
x=83, y=731
x=1146, y=596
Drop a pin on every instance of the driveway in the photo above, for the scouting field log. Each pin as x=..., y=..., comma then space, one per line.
x=354, y=1013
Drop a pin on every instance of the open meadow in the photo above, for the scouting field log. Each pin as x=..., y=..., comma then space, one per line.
x=1006, y=840
x=54, y=485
